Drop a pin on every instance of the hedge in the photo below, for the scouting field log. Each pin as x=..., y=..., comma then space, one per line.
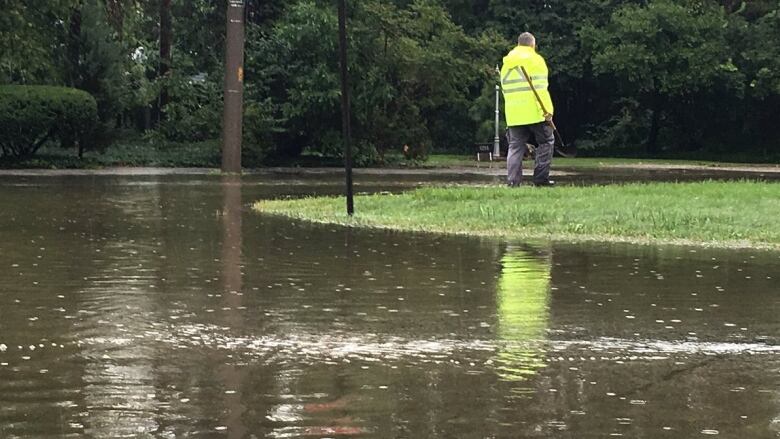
x=31, y=115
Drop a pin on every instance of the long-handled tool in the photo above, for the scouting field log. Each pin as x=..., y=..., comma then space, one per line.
x=572, y=152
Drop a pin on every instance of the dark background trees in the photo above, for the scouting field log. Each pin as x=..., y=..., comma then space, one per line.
x=644, y=77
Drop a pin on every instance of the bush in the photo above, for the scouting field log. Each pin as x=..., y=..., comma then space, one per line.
x=194, y=113
x=32, y=115
x=259, y=129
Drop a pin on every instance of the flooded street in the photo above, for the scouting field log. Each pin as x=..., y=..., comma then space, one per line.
x=162, y=306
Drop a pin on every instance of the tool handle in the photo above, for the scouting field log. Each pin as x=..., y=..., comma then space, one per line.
x=541, y=104
x=533, y=89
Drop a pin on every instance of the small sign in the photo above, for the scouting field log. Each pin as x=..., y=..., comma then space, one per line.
x=240, y=74
x=483, y=147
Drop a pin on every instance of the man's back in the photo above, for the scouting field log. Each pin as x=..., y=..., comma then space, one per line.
x=521, y=107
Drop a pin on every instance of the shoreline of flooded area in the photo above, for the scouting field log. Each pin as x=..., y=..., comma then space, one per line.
x=489, y=172
x=162, y=306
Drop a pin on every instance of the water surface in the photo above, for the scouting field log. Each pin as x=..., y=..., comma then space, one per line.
x=161, y=306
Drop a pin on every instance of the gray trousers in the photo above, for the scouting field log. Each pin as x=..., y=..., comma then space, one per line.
x=517, y=137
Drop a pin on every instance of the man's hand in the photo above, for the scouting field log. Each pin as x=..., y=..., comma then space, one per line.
x=548, y=117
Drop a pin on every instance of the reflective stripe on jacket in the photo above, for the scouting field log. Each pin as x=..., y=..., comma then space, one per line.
x=521, y=107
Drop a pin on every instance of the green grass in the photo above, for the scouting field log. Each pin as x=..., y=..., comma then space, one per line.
x=455, y=160
x=720, y=214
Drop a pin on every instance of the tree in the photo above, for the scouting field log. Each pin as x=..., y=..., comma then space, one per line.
x=30, y=34
x=410, y=87
x=627, y=76
x=418, y=71
x=663, y=58
x=558, y=24
x=759, y=58
x=166, y=43
x=116, y=15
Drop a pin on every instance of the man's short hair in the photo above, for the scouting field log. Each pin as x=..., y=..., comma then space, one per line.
x=526, y=39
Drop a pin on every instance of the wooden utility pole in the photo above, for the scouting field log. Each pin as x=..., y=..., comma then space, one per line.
x=346, y=126
x=234, y=88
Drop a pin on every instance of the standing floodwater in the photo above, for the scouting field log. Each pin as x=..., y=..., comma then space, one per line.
x=164, y=307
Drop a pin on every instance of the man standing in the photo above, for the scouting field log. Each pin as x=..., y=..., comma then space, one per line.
x=524, y=116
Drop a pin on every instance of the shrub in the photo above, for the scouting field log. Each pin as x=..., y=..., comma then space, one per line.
x=194, y=113
x=258, y=130
x=32, y=115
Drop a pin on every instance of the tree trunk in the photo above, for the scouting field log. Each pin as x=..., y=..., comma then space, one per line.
x=147, y=118
x=166, y=41
x=116, y=16
x=655, y=126
x=74, y=46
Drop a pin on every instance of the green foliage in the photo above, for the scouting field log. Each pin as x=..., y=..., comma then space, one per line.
x=664, y=48
x=408, y=87
x=163, y=154
x=292, y=68
x=416, y=70
x=651, y=77
x=126, y=152
x=666, y=60
x=259, y=131
x=98, y=68
x=32, y=115
x=762, y=55
x=194, y=113
x=482, y=113
x=31, y=38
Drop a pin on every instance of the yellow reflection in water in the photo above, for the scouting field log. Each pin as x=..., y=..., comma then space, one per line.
x=523, y=313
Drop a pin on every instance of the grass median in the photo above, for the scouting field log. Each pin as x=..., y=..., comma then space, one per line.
x=718, y=214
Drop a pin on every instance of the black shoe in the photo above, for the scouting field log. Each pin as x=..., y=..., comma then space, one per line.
x=548, y=183
x=510, y=184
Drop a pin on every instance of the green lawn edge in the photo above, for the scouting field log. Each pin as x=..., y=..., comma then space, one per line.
x=460, y=161
x=708, y=214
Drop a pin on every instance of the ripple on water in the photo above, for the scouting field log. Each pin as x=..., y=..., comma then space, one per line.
x=377, y=347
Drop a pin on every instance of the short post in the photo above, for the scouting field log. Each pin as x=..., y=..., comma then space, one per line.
x=345, y=111
x=496, y=140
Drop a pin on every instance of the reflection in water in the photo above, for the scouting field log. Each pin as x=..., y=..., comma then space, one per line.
x=523, y=313
x=116, y=305
x=232, y=240
x=231, y=375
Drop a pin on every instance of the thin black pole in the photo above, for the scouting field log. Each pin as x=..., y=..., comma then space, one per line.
x=234, y=88
x=346, y=128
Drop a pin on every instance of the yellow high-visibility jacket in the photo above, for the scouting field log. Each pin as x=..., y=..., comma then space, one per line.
x=521, y=107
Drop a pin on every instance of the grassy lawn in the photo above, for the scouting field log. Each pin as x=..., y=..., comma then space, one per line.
x=720, y=214
x=455, y=160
